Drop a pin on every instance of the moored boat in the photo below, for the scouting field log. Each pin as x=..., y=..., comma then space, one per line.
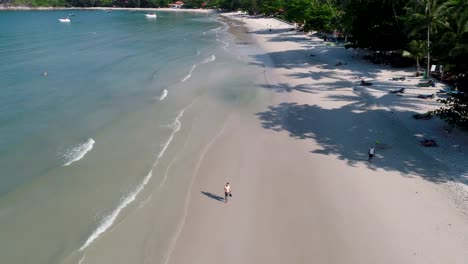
x=150, y=15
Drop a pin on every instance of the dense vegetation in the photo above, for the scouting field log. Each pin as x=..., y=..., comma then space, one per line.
x=434, y=31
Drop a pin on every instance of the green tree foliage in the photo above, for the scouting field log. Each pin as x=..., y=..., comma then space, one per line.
x=418, y=50
x=193, y=3
x=427, y=16
x=452, y=45
x=454, y=112
x=372, y=24
x=298, y=10
x=271, y=7
x=320, y=18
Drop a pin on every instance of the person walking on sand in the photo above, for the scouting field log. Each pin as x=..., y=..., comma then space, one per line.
x=227, y=192
x=371, y=153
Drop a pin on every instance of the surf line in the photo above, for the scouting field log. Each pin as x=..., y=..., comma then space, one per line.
x=163, y=95
x=216, y=29
x=209, y=59
x=77, y=152
x=108, y=221
x=226, y=44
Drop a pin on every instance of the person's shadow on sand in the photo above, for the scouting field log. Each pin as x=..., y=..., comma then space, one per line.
x=214, y=196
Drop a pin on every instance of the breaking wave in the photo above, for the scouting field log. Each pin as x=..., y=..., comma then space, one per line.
x=107, y=221
x=77, y=152
x=209, y=59
x=163, y=95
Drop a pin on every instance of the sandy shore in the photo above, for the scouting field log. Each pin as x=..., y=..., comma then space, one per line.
x=26, y=8
x=303, y=189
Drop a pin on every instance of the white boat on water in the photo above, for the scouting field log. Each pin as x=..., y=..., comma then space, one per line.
x=150, y=15
x=65, y=20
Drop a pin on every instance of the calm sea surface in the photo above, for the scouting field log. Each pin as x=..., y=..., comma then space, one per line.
x=88, y=111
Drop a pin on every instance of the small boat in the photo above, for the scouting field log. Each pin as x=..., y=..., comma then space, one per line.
x=150, y=15
x=65, y=20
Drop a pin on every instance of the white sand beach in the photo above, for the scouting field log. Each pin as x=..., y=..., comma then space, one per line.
x=303, y=191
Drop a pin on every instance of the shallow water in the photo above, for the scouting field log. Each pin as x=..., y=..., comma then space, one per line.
x=92, y=113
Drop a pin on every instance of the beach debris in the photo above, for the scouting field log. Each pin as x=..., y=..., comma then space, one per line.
x=428, y=142
x=426, y=96
x=398, y=78
x=365, y=83
x=425, y=116
x=395, y=91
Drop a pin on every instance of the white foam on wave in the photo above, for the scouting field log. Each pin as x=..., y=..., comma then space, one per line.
x=109, y=219
x=209, y=59
x=107, y=222
x=175, y=128
x=81, y=261
x=226, y=44
x=216, y=29
x=163, y=95
x=190, y=73
x=77, y=152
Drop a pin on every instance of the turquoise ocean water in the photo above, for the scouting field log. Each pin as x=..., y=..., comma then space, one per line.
x=90, y=110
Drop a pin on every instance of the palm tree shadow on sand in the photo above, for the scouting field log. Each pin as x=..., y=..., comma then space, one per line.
x=214, y=196
x=335, y=132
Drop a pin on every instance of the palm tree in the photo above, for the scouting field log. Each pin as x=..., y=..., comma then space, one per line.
x=428, y=15
x=457, y=12
x=417, y=48
x=395, y=4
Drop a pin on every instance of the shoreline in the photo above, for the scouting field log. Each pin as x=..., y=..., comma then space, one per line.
x=25, y=8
